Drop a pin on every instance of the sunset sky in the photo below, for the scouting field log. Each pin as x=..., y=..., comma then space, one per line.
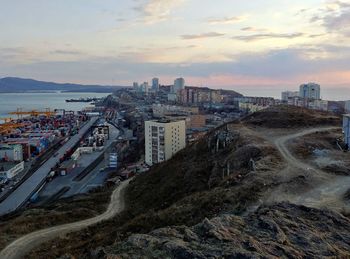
x=222, y=43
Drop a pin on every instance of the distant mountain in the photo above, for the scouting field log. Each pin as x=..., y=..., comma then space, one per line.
x=18, y=85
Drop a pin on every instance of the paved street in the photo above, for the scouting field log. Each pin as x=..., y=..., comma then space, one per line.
x=23, y=192
x=94, y=179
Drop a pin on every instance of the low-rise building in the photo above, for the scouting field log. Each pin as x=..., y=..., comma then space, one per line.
x=163, y=139
x=11, y=153
x=250, y=107
x=161, y=110
x=172, y=97
x=197, y=121
x=288, y=94
x=10, y=170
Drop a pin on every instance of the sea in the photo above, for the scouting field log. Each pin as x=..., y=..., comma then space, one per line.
x=10, y=102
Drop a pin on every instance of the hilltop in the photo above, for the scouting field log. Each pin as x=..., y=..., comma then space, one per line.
x=19, y=85
x=291, y=117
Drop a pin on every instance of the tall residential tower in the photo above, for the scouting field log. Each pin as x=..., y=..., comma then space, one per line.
x=163, y=139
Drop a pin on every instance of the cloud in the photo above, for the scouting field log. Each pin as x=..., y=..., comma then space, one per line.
x=154, y=11
x=334, y=17
x=227, y=20
x=264, y=36
x=253, y=29
x=67, y=52
x=202, y=35
x=288, y=65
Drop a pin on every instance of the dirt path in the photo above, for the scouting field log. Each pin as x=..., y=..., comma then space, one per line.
x=25, y=244
x=327, y=194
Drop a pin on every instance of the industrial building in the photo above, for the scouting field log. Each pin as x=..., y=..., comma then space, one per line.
x=310, y=91
x=9, y=170
x=11, y=153
x=163, y=139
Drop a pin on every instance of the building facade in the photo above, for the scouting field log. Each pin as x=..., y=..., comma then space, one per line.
x=288, y=94
x=11, y=153
x=179, y=84
x=310, y=91
x=155, y=84
x=346, y=129
x=163, y=139
x=347, y=106
x=161, y=110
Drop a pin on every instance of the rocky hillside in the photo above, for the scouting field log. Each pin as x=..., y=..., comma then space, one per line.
x=278, y=231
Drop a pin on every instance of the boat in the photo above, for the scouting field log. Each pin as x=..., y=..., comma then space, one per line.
x=82, y=100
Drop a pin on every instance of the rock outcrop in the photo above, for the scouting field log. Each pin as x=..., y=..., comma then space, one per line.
x=279, y=231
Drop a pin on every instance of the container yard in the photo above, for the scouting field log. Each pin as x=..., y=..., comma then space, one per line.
x=31, y=138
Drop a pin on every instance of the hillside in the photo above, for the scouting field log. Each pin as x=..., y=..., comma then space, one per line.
x=291, y=117
x=279, y=231
x=234, y=186
x=13, y=85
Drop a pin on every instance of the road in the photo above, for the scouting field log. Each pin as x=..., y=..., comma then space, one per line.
x=77, y=187
x=331, y=188
x=22, y=246
x=18, y=197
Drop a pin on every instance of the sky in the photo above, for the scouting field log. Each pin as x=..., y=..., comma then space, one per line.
x=257, y=46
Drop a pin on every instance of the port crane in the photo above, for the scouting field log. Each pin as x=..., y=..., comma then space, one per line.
x=20, y=113
x=9, y=126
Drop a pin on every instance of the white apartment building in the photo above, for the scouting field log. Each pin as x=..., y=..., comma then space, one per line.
x=346, y=129
x=310, y=91
x=163, y=139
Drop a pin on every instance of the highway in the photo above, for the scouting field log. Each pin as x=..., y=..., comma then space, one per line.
x=21, y=195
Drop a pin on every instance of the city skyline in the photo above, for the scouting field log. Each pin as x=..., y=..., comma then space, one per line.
x=225, y=44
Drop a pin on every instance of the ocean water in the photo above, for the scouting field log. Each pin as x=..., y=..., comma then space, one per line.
x=10, y=102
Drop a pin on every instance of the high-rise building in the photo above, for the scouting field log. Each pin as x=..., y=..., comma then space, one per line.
x=347, y=106
x=288, y=94
x=179, y=84
x=135, y=86
x=155, y=84
x=310, y=91
x=163, y=139
x=145, y=87
x=346, y=129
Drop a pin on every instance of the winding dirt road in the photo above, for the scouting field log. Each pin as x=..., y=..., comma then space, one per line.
x=25, y=244
x=327, y=194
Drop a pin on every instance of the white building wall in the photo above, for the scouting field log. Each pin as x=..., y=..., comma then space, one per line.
x=174, y=140
x=347, y=106
x=346, y=129
x=310, y=91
